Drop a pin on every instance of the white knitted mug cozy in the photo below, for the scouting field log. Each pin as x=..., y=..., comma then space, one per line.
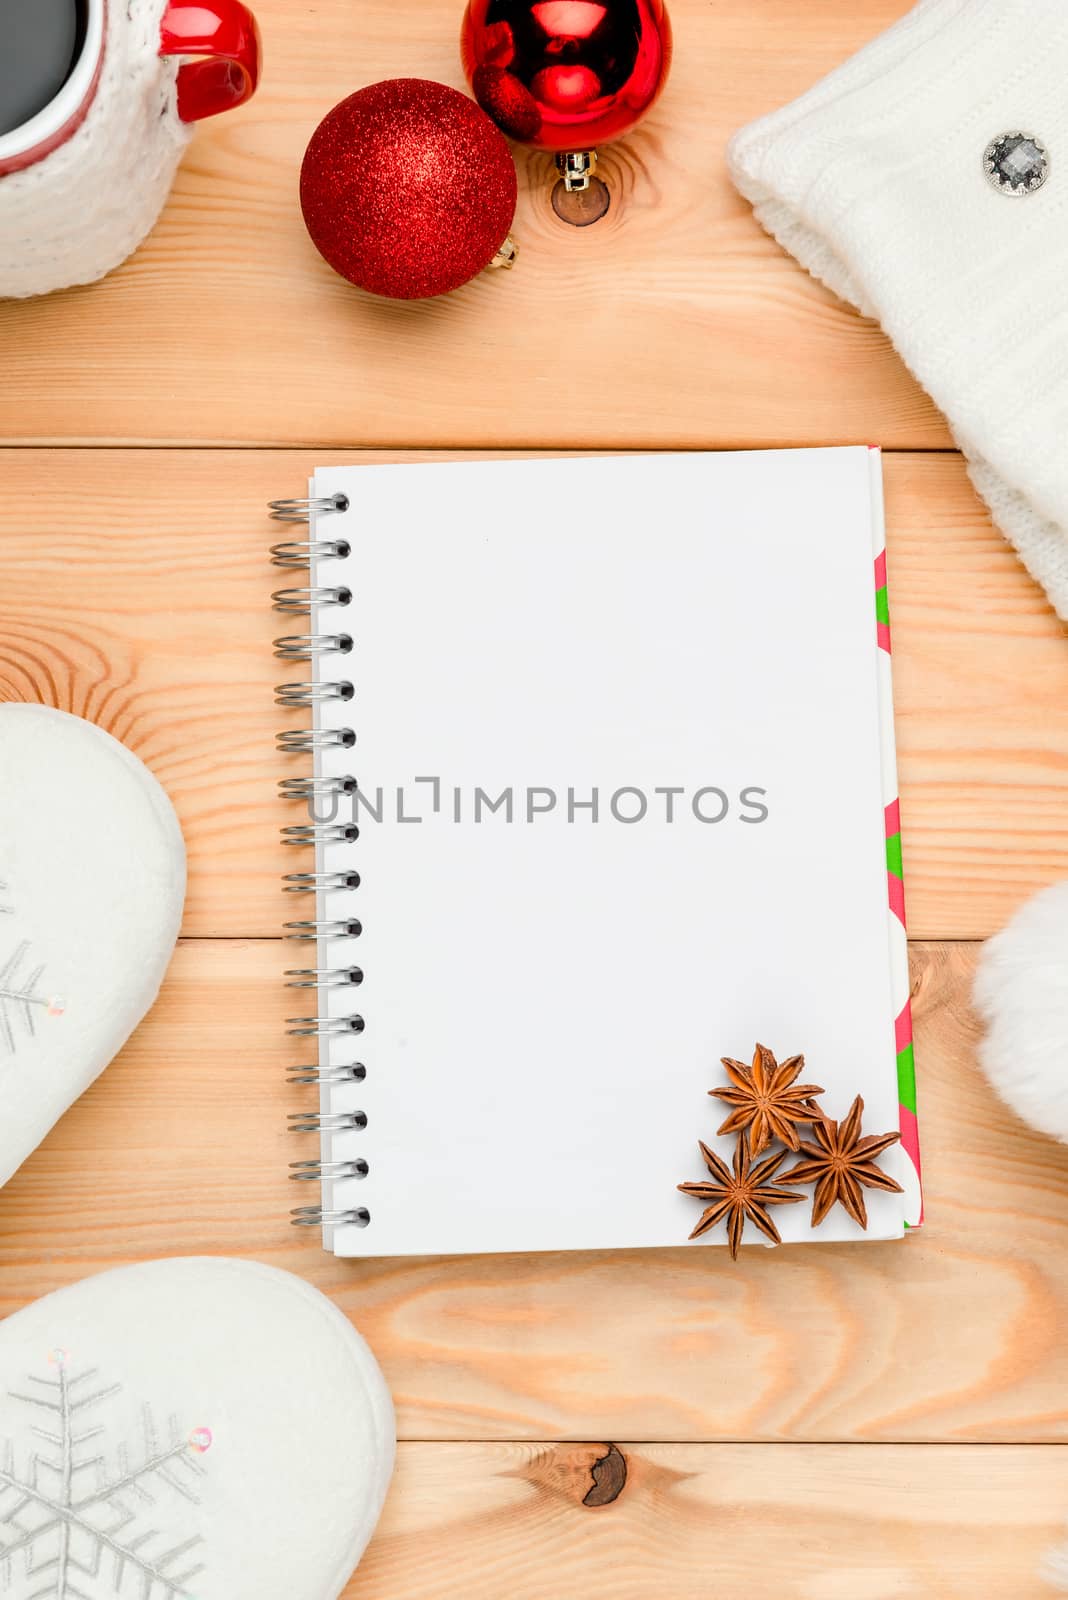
x=73, y=216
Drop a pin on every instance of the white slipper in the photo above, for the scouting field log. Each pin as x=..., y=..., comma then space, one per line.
x=1021, y=994
x=195, y=1429
x=92, y=883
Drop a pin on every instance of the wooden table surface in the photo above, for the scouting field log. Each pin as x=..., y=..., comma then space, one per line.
x=822, y=1424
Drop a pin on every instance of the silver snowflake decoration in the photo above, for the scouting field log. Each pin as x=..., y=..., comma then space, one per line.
x=19, y=998
x=78, y=1522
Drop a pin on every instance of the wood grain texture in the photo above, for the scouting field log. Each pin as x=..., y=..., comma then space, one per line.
x=955, y=1334
x=136, y=593
x=829, y=1422
x=675, y=321
x=778, y=1522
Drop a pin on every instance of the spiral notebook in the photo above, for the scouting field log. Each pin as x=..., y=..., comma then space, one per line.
x=592, y=774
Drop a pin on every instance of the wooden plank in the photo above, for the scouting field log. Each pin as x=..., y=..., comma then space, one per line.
x=136, y=593
x=780, y=1522
x=955, y=1334
x=675, y=321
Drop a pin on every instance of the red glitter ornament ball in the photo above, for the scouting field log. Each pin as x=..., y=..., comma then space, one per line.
x=407, y=188
x=566, y=74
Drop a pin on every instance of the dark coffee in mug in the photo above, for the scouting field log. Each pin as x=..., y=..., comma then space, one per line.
x=40, y=42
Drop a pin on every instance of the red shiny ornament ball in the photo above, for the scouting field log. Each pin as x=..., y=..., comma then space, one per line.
x=407, y=188
x=507, y=101
x=566, y=74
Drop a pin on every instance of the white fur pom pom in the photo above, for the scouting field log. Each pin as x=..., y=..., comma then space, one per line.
x=1055, y=1570
x=1021, y=994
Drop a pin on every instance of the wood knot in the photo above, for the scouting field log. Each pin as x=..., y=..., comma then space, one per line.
x=609, y=1474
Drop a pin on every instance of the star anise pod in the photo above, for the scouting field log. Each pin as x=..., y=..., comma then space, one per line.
x=766, y=1101
x=739, y=1195
x=841, y=1164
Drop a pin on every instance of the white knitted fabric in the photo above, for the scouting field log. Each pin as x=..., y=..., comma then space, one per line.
x=874, y=181
x=75, y=215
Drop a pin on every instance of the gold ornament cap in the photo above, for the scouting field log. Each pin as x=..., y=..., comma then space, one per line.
x=576, y=167
x=506, y=255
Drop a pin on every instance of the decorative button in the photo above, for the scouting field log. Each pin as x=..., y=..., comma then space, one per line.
x=1016, y=163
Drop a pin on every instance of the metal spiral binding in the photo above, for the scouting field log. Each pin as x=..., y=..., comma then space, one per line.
x=298, y=553
x=313, y=788
x=301, y=510
x=316, y=1171
x=323, y=928
x=323, y=977
x=307, y=646
x=302, y=602
x=320, y=833
x=327, y=1122
x=312, y=882
x=320, y=1217
x=293, y=555
x=302, y=741
x=294, y=696
x=323, y=1027
x=354, y=1072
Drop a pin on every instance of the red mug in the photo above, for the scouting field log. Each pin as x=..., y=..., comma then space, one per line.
x=220, y=35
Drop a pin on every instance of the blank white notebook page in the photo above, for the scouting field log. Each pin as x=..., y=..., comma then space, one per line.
x=618, y=747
